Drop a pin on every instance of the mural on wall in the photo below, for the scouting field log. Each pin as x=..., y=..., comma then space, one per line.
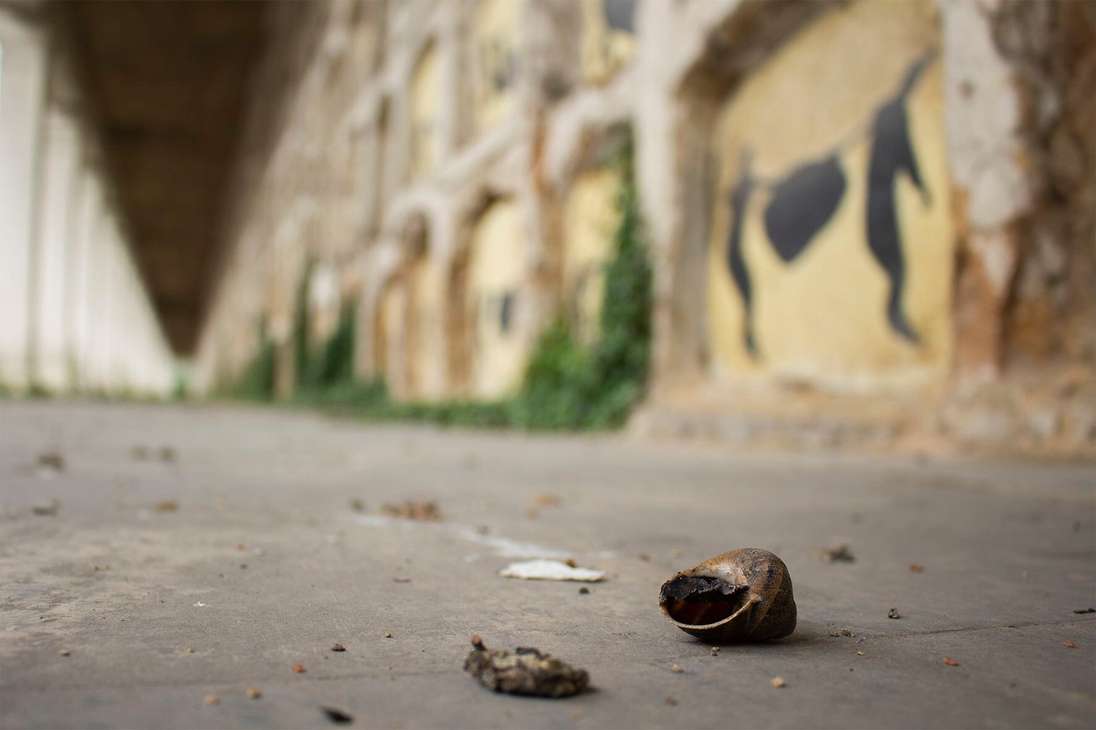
x=425, y=98
x=830, y=256
x=494, y=300
x=495, y=60
x=590, y=220
x=608, y=37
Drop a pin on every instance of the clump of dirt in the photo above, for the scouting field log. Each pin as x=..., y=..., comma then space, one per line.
x=526, y=671
x=411, y=509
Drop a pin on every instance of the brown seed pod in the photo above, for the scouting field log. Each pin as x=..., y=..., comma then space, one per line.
x=741, y=595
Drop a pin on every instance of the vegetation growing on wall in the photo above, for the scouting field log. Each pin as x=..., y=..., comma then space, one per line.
x=567, y=385
x=256, y=382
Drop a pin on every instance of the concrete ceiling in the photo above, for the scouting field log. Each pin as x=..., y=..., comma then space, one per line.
x=167, y=82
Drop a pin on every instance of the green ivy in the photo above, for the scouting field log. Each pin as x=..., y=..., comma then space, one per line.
x=257, y=380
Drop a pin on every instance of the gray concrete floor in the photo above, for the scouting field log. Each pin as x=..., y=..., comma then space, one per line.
x=156, y=609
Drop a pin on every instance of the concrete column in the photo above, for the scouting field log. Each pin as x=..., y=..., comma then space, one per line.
x=78, y=305
x=49, y=335
x=22, y=86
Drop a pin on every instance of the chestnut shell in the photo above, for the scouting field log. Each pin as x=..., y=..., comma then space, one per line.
x=739, y=596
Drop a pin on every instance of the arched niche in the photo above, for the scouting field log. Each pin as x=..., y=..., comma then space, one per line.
x=425, y=111
x=830, y=252
x=405, y=345
x=489, y=284
x=494, y=61
x=608, y=37
x=589, y=217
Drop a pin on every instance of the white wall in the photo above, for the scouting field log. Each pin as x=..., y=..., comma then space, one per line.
x=74, y=311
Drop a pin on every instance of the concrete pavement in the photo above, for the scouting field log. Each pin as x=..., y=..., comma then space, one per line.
x=156, y=609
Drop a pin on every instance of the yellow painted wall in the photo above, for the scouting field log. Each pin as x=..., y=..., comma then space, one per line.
x=823, y=316
x=392, y=321
x=494, y=64
x=590, y=220
x=497, y=271
x=425, y=104
x=605, y=50
x=427, y=290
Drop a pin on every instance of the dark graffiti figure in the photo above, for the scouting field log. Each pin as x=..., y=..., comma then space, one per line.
x=740, y=199
x=892, y=153
x=804, y=200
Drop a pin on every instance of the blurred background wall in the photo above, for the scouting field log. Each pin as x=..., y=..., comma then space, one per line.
x=866, y=220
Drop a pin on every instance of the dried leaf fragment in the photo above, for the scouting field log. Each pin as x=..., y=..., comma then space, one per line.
x=420, y=510
x=253, y=693
x=338, y=647
x=298, y=668
x=777, y=682
x=916, y=568
x=526, y=671
x=167, y=505
x=1069, y=644
x=212, y=700
x=948, y=661
x=839, y=553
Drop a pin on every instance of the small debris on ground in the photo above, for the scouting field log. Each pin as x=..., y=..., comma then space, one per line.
x=199, y=604
x=482, y=530
x=859, y=653
x=526, y=671
x=584, y=591
x=47, y=509
x=778, y=682
x=187, y=650
x=948, y=661
x=139, y=452
x=212, y=700
x=357, y=505
x=1069, y=644
x=644, y=557
x=338, y=647
x=167, y=505
x=842, y=632
x=388, y=634
x=298, y=668
x=401, y=580
x=167, y=454
x=715, y=651
x=65, y=652
x=337, y=716
x=837, y=554
x=676, y=668
x=547, y=500
x=916, y=568
x=1084, y=610
x=893, y=613
x=51, y=461
x=550, y=570
x=670, y=701
x=253, y=693
x=422, y=511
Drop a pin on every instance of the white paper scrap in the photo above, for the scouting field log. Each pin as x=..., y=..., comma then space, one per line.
x=550, y=570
